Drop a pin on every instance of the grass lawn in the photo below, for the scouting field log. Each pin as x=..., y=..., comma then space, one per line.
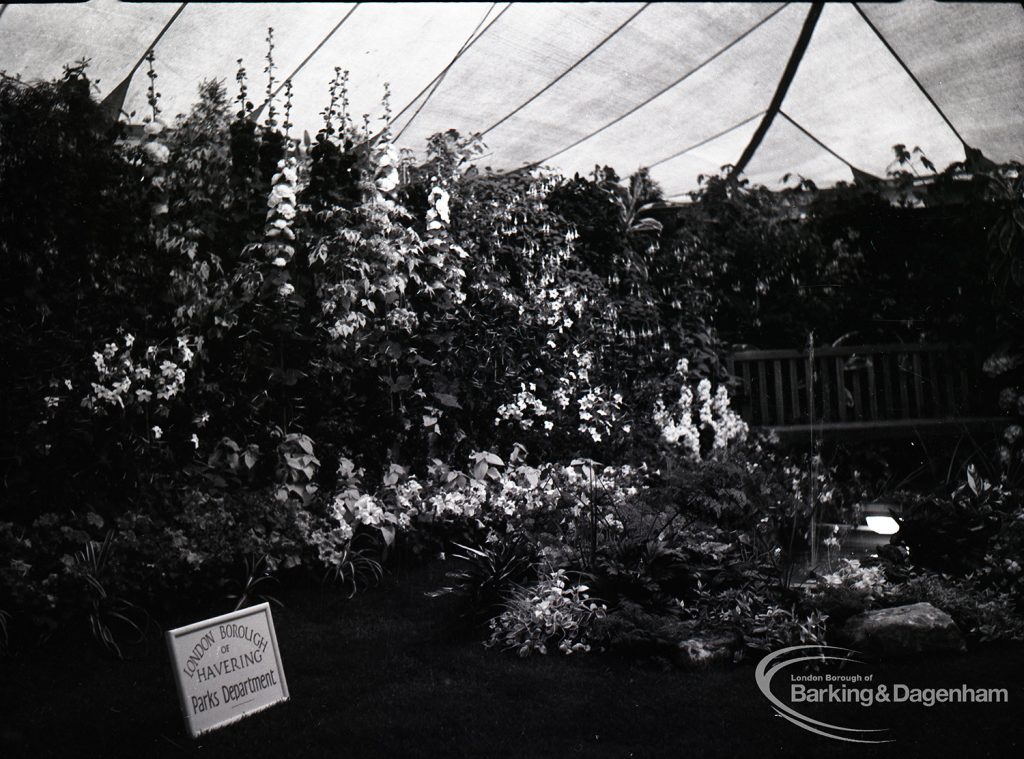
x=383, y=675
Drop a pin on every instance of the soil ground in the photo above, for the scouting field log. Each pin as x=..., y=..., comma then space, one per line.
x=383, y=675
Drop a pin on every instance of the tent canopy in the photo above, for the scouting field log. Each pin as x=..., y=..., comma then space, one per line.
x=678, y=87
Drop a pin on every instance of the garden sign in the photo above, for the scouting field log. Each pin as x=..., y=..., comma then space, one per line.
x=226, y=668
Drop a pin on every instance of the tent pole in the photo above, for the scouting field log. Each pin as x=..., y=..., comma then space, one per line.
x=658, y=94
x=780, y=92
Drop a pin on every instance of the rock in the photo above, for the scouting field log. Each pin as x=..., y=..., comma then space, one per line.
x=632, y=630
x=902, y=630
x=708, y=650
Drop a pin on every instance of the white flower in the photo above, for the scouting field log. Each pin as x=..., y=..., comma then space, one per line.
x=186, y=353
x=157, y=432
x=439, y=198
x=281, y=194
x=157, y=152
x=388, y=180
x=286, y=289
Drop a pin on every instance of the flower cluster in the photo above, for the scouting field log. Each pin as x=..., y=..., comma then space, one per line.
x=377, y=276
x=385, y=176
x=811, y=481
x=599, y=410
x=279, y=236
x=522, y=405
x=352, y=509
x=332, y=543
x=1011, y=399
x=594, y=410
x=1001, y=363
x=553, y=501
x=851, y=574
x=693, y=413
x=850, y=589
x=155, y=156
x=559, y=307
x=123, y=380
x=554, y=613
x=497, y=496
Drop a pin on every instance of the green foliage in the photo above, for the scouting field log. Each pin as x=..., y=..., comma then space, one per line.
x=765, y=622
x=91, y=565
x=949, y=533
x=982, y=613
x=850, y=589
x=488, y=574
x=256, y=576
x=357, y=565
x=554, y=614
x=223, y=329
x=647, y=572
x=750, y=237
x=78, y=265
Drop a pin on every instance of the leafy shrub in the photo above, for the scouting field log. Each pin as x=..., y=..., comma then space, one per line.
x=647, y=572
x=257, y=575
x=219, y=316
x=67, y=567
x=105, y=610
x=754, y=498
x=763, y=618
x=777, y=627
x=952, y=533
x=984, y=614
x=553, y=614
x=488, y=574
x=850, y=589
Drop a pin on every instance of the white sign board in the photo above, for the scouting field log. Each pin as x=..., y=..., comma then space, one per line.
x=227, y=668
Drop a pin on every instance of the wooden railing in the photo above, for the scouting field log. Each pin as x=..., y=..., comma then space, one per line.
x=865, y=387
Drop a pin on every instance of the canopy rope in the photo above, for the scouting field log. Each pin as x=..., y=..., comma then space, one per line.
x=859, y=173
x=433, y=85
x=113, y=103
x=802, y=41
x=568, y=71
x=661, y=92
x=705, y=141
x=305, y=60
x=910, y=73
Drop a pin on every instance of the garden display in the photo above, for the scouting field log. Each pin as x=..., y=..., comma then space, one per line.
x=248, y=362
